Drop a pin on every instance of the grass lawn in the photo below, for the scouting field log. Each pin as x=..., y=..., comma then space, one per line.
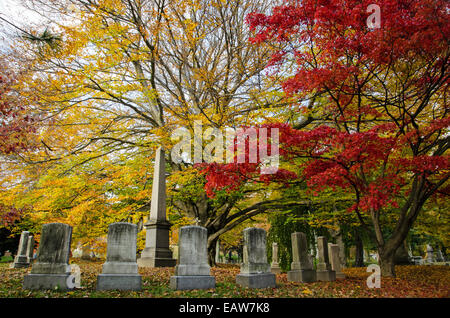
x=6, y=259
x=411, y=281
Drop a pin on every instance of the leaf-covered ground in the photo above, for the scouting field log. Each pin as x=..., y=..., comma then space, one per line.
x=411, y=281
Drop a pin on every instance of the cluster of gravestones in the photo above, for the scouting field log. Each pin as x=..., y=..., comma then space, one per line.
x=302, y=267
x=25, y=250
x=120, y=271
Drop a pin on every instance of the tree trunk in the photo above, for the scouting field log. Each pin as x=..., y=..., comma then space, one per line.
x=387, y=263
x=401, y=256
x=359, y=252
x=212, y=253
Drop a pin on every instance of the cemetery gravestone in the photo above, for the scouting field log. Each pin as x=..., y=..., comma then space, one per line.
x=255, y=271
x=51, y=269
x=157, y=252
x=439, y=256
x=324, y=271
x=333, y=250
x=30, y=249
x=21, y=259
x=77, y=252
x=192, y=271
x=120, y=271
x=174, y=249
x=275, y=266
x=217, y=256
x=429, y=255
x=86, y=252
x=301, y=267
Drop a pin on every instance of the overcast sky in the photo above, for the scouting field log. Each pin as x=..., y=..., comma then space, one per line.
x=14, y=12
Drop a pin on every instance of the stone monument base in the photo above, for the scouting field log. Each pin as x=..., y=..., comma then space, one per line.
x=275, y=269
x=156, y=262
x=340, y=276
x=48, y=281
x=192, y=282
x=263, y=280
x=302, y=276
x=19, y=265
x=119, y=282
x=326, y=276
x=20, y=262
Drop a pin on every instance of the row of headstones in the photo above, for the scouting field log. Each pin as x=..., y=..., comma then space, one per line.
x=120, y=271
x=430, y=257
x=51, y=268
x=302, y=267
x=227, y=257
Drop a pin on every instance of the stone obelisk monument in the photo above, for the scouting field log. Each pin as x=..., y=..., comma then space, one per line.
x=156, y=252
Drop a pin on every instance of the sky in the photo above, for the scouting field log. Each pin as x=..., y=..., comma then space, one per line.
x=14, y=12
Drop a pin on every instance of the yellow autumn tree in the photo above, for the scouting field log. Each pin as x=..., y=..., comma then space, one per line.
x=114, y=79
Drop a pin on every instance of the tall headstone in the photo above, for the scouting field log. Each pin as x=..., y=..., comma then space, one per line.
x=30, y=249
x=275, y=266
x=301, y=267
x=217, y=256
x=120, y=271
x=429, y=255
x=51, y=269
x=21, y=259
x=174, y=249
x=77, y=252
x=333, y=251
x=192, y=271
x=157, y=252
x=439, y=256
x=342, y=257
x=324, y=271
x=255, y=271
x=86, y=252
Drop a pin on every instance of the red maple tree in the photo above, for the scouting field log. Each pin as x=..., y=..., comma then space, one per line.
x=382, y=133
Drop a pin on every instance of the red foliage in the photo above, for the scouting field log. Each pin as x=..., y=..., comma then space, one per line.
x=376, y=141
x=15, y=123
x=231, y=176
x=9, y=215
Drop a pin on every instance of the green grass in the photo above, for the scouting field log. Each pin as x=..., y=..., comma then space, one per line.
x=6, y=259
